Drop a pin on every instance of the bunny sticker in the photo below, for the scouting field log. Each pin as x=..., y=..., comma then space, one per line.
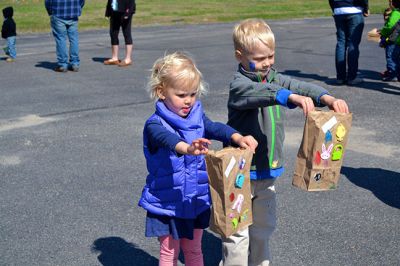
x=326, y=153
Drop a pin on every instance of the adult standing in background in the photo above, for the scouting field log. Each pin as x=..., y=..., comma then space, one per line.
x=120, y=13
x=64, y=16
x=349, y=21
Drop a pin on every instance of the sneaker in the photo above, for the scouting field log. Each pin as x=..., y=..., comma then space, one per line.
x=388, y=75
x=60, y=69
x=339, y=81
x=74, y=68
x=355, y=81
x=10, y=60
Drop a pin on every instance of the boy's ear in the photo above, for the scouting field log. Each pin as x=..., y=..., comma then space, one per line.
x=238, y=54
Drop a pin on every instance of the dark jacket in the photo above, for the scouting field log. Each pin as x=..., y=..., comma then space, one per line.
x=124, y=6
x=9, y=28
x=349, y=3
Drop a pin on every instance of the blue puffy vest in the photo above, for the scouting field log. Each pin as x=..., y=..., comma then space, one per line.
x=176, y=185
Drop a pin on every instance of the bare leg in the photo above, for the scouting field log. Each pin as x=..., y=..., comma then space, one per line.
x=114, y=52
x=128, y=53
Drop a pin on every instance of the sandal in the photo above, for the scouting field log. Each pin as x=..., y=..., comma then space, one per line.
x=109, y=62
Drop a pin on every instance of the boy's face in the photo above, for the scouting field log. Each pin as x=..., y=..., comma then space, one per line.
x=260, y=59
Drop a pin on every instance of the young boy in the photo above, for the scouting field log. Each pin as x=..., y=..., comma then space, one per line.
x=9, y=31
x=387, y=33
x=256, y=94
x=389, y=73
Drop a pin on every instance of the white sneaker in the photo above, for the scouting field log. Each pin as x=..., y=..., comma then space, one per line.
x=355, y=81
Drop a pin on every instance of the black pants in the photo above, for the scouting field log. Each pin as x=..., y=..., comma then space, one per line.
x=116, y=22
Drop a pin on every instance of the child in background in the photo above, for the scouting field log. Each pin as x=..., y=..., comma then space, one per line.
x=257, y=93
x=392, y=48
x=388, y=74
x=176, y=195
x=9, y=32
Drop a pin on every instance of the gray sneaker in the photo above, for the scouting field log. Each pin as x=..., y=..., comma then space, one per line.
x=74, y=68
x=355, y=81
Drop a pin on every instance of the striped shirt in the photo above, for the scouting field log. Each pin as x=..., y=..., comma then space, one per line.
x=65, y=9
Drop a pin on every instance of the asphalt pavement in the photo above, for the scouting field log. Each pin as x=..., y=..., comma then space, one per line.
x=72, y=167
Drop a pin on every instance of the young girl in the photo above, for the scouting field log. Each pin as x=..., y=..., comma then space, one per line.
x=176, y=194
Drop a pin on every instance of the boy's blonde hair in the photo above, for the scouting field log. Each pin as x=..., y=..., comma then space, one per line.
x=249, y=32
x=177, y=69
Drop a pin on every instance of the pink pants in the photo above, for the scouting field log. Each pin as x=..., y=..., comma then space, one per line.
x=170, y=247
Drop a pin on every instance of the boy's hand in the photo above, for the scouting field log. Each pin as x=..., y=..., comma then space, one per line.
x=337, y=105
x=245, y=142
x=305, y=103
x=199, y=146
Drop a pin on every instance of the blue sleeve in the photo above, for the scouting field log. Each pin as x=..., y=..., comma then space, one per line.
x=282, y=97
x=218, y=131
x=159, y=136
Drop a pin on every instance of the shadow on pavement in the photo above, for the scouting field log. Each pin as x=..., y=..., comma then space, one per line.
x=384, y=184
x=99, y=59
x=385, y=87
x=115, y=251
x=47, y=65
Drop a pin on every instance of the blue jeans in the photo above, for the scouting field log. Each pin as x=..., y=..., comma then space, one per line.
x=63, y=28
x=10, y=50
x=396, y=59
x=390, y=63
x=349, y=30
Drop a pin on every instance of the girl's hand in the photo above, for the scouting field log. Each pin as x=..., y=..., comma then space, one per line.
x=245, y=142
x=305, y=103
x=198, y=146
x=337, y=105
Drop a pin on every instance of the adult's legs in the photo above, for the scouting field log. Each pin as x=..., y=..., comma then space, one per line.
x=192, y=249
x=73, y=36
x=169, y=251
x=115, y=24
x=396, y=58
x=126, y=30
x=355, y=24
x=264, y=221
x=59, y=30
x=340, y=52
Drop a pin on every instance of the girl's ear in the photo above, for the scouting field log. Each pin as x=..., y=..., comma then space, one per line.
x=159, y=92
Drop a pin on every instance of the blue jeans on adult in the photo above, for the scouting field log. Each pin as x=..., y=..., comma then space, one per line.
x=396, y=59
x=390, y=64
x=63, y=28
x=11, y=51
x=349, y=30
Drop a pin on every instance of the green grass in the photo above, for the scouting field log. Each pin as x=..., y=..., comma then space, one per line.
x=31, y=16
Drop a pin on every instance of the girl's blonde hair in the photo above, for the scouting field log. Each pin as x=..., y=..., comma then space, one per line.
x=249, y=32
x=175, y=70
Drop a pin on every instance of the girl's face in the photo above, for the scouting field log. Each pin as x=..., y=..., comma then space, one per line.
x=179, y=101
x=260, y=59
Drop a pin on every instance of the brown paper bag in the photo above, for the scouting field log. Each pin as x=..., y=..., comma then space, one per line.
x=321, y=152
x=229, y=179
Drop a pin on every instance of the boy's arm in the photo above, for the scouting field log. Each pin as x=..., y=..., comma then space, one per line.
x=392, y=20
x=247, y=94
x=315, y=92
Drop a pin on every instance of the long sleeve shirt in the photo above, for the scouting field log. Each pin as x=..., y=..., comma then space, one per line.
x=64, y=9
